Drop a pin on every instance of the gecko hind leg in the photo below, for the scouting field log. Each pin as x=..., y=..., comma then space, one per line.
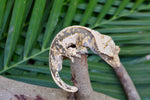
x=71, y=53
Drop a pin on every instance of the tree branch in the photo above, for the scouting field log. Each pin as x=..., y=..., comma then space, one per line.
x=80, y=78
x=127, y=83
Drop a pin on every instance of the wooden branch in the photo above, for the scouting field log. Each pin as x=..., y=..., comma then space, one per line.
x=80, y=78
x=127, y=83
x=15, y=90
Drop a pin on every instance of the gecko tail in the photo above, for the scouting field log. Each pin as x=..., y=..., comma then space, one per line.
x=61, y=83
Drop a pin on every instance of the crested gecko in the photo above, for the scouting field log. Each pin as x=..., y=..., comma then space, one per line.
x=75, y=40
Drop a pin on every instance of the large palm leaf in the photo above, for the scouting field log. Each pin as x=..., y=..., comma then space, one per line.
x=27, y=28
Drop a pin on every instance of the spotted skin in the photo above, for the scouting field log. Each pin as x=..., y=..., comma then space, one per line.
x=74, y=40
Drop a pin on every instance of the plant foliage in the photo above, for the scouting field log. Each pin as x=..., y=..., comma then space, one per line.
x=27, y=28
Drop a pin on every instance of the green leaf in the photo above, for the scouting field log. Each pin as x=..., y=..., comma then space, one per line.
x=121, y=7
x=90, y=7
x=52, y=21
x=6, y=16
x=14, y=30
x=1, y=59
x=70, y=13
x=27, y=9
x=23, y=60
x=104, y=12
x=2, y=9
x=130, y=22
x=34, y=80
x=140, y=15
x=129, y=36
x=137, y=4
x=124, y=29
x=41, y=69
x=34, y=26
x=135, y=50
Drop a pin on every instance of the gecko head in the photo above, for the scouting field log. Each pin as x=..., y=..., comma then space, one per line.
x=107, y=50
x=112, y=60
x=110, y=53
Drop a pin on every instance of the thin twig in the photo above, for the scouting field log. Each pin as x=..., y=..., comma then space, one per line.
x=127, y=83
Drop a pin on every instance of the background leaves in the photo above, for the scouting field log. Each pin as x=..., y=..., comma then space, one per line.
x=27, y=28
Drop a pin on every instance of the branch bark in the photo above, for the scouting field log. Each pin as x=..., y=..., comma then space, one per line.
x=80, y=78
x=127, y=83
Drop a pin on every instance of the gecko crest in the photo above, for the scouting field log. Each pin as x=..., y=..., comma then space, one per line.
x=75, y=40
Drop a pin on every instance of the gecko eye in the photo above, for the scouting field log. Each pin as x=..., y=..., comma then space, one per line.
x=72, y=46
